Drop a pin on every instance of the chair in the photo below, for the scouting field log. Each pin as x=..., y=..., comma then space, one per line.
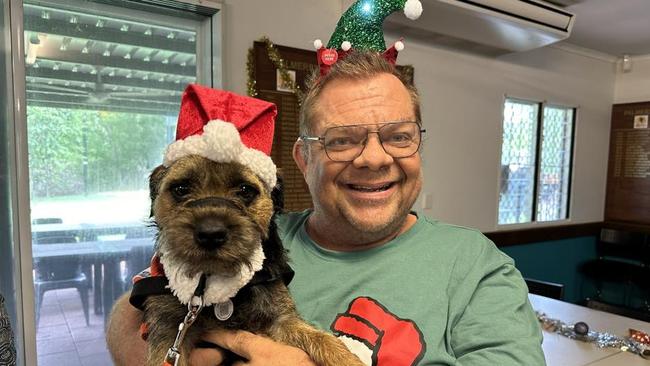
x=138, y=260
x=620, y=310
x=58, y=273
x=544, y=288
x=619, y=260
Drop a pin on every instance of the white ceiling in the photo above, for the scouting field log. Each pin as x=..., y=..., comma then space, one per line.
x=614, y=27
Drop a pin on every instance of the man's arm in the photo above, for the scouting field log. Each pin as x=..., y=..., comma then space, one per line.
x=123, y=335
x=256, y=350
x=128, y=349
x=498, y=326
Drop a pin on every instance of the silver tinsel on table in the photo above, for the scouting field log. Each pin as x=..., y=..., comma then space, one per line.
x=580, y=331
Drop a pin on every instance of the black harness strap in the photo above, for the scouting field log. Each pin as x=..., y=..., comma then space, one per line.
x=157, y=285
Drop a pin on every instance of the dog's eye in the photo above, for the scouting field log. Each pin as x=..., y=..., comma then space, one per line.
x=180, y=190
x=247, y=192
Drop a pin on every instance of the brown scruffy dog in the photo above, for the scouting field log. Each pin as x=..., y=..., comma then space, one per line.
x=211, y=218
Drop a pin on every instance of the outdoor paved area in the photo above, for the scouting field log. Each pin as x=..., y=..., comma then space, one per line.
x=63, y=338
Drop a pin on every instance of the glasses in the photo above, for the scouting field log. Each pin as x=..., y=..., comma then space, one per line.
x=346, y=143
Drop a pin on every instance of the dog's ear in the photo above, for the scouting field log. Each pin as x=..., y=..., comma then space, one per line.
x=154, y=184
x=277, y=195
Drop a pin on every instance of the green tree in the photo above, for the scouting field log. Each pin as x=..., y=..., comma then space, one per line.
x=73, y=151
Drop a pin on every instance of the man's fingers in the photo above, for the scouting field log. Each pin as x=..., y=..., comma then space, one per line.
x=206, y=357
x=240, y=342
x=257, y=350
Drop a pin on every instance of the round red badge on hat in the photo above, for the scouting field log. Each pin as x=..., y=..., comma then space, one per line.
x=329, y=56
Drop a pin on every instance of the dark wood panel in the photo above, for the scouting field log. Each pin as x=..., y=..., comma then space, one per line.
x=628, y=175
x=295, y=59
x=302, y=62
x=627, y=226
x=535, y=235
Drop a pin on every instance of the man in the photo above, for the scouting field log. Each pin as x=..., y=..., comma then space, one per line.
x=396, y=287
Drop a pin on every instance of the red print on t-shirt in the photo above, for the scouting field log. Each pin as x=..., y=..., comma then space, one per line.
x=393, y=341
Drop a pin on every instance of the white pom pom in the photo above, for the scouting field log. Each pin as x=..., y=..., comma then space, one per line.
x=345, y=46
x=399, y=45
x=413, y=9
x=318, y=44
x=223, y=143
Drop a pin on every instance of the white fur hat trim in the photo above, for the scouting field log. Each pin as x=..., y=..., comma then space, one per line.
x=218, y=289
x=221, y=142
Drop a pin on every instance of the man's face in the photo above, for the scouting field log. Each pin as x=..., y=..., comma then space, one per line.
x=373, y=194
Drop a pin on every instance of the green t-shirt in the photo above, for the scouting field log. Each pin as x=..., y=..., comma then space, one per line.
x=436, y=295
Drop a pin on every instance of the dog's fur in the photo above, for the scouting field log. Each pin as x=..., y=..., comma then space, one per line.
x=193, y=194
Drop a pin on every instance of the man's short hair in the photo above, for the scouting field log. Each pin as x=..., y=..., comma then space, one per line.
x=357, y=65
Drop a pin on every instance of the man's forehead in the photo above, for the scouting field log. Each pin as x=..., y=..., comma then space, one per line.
x=374, y=124
x=378, y=99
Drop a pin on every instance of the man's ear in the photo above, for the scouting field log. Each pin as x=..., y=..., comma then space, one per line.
x=300, y=156
x=155, y=179
x=277, y=194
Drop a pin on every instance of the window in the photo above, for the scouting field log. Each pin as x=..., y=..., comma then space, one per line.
x=536, y=157
x=103, y=87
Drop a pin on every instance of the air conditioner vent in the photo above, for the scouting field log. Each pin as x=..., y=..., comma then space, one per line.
x=500, y=26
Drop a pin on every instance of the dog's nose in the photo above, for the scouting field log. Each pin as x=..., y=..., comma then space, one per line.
x=210, y=234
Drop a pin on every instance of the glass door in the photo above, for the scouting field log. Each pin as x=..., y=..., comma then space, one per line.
x=103, y=87
x=11, y=334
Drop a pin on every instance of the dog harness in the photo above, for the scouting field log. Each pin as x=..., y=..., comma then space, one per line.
x=152, y=281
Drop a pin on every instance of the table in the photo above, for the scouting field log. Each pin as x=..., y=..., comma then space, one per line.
x=563, y=351
x=105, y=256
x=88, y=232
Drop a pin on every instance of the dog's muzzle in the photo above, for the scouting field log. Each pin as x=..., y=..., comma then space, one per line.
x=210, y=232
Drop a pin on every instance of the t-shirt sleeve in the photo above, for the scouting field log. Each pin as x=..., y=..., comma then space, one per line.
x=494, y=323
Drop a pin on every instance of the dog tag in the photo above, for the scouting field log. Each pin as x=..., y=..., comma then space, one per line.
x=224, y=310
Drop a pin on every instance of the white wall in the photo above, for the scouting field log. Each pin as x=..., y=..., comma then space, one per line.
x=293, y=23
x=633, y=86
x=463, y=106
x=462, y=102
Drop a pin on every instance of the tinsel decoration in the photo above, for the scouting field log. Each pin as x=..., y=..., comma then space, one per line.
x=581, y=331
x=278, y=62
x=640, y=336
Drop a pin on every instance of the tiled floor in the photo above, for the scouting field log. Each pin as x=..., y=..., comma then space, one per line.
x=63, y=338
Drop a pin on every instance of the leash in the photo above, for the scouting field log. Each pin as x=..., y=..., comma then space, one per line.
x=194, y=307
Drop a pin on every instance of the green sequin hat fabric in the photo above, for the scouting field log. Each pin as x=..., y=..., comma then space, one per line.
x=360, y=28
x=361, y=24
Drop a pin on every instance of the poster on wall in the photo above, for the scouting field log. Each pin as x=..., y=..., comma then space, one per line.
x=628, y=176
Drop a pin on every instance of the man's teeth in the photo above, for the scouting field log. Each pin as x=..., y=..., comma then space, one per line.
x=371, y=189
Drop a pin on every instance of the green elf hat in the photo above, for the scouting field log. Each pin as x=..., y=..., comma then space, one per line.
x=360, y=28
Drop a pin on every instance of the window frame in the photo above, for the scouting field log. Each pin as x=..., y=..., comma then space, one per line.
x=541, y=105
x=209, y=50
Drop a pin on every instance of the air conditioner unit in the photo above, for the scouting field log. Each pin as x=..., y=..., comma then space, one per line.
x=486, y=26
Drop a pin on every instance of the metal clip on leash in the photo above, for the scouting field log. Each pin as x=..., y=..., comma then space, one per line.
x=194, y=307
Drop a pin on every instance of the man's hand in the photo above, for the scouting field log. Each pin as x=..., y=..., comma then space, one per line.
x=123, y=335
x=256, y=350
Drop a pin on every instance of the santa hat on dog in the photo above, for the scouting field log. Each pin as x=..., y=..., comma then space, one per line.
x=225, y=127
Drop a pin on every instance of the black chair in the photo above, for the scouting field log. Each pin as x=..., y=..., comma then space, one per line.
x=620, y=310
x=619, y=260
x=544, y=288
x=58, y=273
x=138, y=260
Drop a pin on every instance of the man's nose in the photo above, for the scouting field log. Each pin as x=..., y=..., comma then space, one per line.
x=373, y=156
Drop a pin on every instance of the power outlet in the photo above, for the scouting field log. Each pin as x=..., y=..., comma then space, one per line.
x=427, y=201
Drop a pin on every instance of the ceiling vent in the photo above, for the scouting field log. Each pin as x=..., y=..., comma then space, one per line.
x=486, y=26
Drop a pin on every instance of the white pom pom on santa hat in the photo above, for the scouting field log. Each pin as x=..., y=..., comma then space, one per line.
x=399, y=45
x=318, y=44
x=413, y=9
x=225, y=127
